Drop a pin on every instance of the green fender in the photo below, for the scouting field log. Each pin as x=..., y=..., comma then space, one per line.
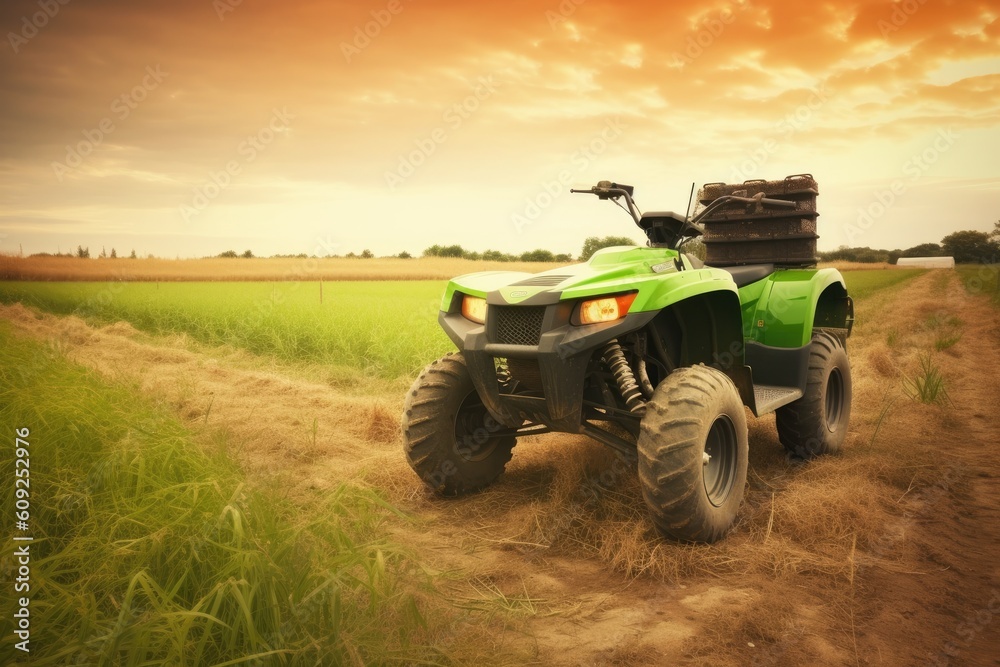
x=780, y=310
x=668, y=290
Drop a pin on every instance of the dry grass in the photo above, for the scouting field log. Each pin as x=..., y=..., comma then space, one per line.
x=879, y=359
x=292, y=269
x=631, y=653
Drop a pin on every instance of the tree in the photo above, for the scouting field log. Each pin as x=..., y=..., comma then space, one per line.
x=247, y=254
x=538, y=256
x=593, y=244
x=923, y=250
x=114, y=255
x=367, y=254
x=495, y=256
x=132, y=256
x=83, y=253
x=103, y=254
x=996, y=230
x=228, y=254
x=846, y=254
x=452, y=251
x=564, y=257
x=449, y=251
x=404, y=255
x=970, y=247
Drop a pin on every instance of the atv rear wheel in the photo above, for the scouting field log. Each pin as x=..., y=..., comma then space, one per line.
x=693, y=454
x=448, y=433
x=817, y=423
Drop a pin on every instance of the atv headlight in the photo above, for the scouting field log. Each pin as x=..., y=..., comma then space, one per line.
x=474, y=308
x=605, y=309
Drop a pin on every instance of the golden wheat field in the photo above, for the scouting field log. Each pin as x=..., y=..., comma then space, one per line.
x=883, y=555
x=287, y=268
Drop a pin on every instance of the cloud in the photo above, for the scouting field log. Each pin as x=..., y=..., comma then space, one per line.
x=700, y=86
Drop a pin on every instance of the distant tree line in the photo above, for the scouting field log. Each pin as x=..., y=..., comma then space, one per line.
x=967, y=247
x=539, y=255
x=83, y=253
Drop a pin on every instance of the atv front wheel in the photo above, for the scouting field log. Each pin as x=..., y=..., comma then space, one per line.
x=693, y=454
x=817, y=423
x=448, y=434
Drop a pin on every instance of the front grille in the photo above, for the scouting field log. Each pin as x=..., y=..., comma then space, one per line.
x=519, y=325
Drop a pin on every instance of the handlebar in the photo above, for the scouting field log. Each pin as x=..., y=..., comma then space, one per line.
x=609, y=190
x=613, y=191
x=760, y=200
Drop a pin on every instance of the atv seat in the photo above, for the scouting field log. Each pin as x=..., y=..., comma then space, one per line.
x=751, y=273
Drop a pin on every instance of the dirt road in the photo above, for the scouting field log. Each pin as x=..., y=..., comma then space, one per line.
x=885, y=555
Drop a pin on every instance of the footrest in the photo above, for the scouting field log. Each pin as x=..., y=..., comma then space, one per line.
x=769, y=398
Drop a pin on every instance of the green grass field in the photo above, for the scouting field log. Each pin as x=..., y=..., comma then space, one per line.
x=151, y=549
x=861, y=284
x=388, y=329
x=982, y=279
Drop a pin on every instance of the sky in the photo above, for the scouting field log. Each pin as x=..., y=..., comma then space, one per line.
x=191, y=127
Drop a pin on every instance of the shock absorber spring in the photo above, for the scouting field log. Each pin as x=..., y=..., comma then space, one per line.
x=614, y=357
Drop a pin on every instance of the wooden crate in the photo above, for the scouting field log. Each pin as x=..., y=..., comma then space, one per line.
x=740, y=233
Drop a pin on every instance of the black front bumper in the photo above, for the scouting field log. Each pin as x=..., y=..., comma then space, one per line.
x=562, y=351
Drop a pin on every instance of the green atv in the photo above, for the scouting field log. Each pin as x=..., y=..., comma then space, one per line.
x=650, y=351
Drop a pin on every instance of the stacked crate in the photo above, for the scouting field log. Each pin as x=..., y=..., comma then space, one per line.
x=739, y=233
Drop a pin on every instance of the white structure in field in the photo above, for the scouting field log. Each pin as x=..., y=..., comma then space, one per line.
x=927, y=262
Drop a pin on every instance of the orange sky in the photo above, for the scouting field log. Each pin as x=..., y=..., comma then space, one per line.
x=452, y=122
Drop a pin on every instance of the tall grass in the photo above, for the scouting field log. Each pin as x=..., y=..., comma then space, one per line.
x=928, y=385
x=148, y=550
x=388, y=329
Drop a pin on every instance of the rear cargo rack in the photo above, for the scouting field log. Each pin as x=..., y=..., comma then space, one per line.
x=739, y=233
